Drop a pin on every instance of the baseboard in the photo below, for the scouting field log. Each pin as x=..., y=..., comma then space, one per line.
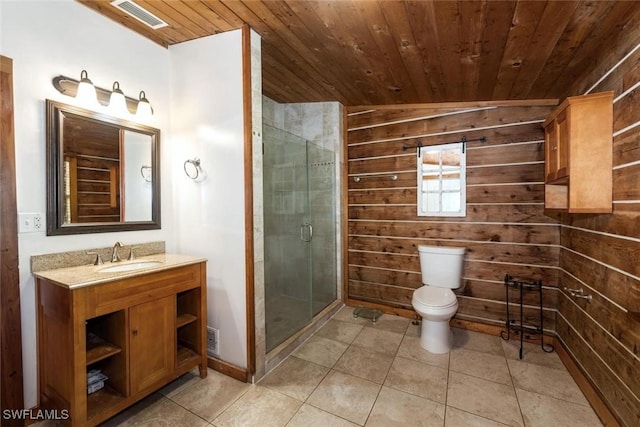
x=403, y=312
x=495, y=330
x=590, y=392
x=470, y=325
x=476, y=326
x=230, y=370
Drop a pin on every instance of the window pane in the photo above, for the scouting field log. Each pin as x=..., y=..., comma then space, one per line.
x=431, y=185
x=450, y=184
x=451, y=157
x=451, y=202
x=430, y=158
x=433, y=202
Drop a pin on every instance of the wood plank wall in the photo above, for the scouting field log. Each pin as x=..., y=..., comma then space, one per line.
x=505, y=229
x=601, y=254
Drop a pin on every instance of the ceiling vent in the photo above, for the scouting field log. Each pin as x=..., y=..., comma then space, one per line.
x=139, y=13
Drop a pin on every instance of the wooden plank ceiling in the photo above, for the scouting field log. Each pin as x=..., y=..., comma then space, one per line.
x=363, y=52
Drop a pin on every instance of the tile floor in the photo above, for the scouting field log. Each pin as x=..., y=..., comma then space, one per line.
x=353, y=372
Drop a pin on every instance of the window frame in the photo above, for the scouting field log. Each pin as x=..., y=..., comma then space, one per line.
x=463, y=180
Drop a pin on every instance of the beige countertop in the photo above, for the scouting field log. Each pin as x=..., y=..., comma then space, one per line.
x=87, y=275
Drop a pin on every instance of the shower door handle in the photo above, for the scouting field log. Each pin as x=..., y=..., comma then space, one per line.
x=302, y=233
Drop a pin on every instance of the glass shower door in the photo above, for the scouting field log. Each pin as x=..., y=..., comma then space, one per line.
x=322, y=199
x=288, y=234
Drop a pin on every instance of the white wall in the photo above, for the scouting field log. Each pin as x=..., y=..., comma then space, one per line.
x=207, y=122
x=46, y=39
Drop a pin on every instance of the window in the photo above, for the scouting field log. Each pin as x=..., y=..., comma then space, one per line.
x=441, y=180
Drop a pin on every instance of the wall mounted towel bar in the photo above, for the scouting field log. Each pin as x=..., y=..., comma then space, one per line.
x=192, y=169
x=393, y=177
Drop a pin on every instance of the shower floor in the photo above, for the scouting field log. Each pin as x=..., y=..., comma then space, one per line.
x=285, y=315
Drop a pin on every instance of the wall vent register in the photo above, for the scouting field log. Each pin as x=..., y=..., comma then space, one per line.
x=138, y=12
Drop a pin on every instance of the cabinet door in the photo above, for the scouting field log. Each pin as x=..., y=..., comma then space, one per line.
x=153, y=342
x=562, y=155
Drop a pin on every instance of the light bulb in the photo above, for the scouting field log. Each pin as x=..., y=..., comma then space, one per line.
x=86, y=94
x=144, y=110
x=117, y=102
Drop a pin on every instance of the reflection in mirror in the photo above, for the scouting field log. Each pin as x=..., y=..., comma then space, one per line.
x=102, y=172
x=137, y=195
x=441, y=180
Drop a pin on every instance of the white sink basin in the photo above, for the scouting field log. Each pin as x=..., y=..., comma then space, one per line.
x=129, y=267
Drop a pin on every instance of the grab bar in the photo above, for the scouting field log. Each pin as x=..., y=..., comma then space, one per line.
x=392, y=176
x=574, y=292
x=578, y=293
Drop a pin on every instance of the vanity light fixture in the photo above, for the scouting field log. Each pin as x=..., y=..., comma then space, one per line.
x=94, y=97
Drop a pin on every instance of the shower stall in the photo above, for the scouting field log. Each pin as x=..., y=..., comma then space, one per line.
x=299, y=189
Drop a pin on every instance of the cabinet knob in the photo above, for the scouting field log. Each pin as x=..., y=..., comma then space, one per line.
x=135, y=332
x=554, y=148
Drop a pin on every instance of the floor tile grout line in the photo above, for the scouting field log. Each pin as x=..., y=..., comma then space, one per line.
x=420, y=362
x=446, y=392
x=181, y=406
x=557, y=398
x=395, y=355
x=481, y=378
x=294, y=414
x=538, y=365
x=221, y=412
x=476, y=415
x=329, y=369
x=513, y=386
x=326, y=375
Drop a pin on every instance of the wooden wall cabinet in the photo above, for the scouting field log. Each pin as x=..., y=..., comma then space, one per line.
x=141, y=332
x=579, y=155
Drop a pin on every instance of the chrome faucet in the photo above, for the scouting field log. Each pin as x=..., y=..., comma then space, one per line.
x=114, y=253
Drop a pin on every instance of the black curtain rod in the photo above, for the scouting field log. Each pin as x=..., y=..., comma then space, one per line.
x=462, y=140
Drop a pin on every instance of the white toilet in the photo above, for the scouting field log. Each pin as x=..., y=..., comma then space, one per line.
x=435, y=301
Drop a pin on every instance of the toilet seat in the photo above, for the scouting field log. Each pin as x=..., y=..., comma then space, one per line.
x=432, y=296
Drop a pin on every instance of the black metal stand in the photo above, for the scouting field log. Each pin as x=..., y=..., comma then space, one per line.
x=529, y=331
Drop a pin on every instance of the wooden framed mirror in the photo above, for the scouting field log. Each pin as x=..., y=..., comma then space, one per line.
x=103, y=172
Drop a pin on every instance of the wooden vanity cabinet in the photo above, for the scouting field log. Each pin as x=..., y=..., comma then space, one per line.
x=579, y=155
x=141, y=332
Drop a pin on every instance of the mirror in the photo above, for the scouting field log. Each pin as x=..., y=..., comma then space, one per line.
x=441, y=180
x=103, y=173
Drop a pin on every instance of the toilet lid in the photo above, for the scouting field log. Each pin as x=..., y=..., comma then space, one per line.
x=435, y=297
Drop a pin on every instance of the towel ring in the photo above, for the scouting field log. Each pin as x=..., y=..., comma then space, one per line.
x=193, y=171
x=145, y=171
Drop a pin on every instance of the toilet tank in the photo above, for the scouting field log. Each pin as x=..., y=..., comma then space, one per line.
x=441, y=266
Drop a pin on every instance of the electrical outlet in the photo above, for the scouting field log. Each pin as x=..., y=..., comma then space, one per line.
x=213, y=341
x=37, y=222
x=30, y=222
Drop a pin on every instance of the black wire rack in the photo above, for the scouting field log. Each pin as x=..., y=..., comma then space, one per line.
x=519, y=326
